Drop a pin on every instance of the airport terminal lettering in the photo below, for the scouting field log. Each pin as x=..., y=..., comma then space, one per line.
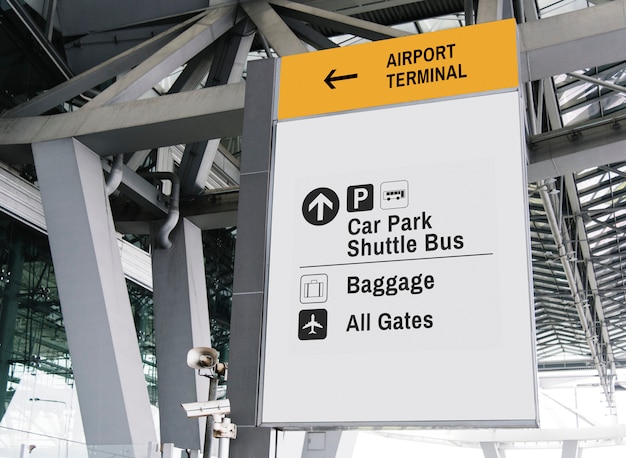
x=423, y=75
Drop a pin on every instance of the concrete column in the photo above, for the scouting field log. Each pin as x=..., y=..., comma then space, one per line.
x=96, y=310
x=181, y=322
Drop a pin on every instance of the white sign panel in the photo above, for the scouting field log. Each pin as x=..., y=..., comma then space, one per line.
x=399, y=280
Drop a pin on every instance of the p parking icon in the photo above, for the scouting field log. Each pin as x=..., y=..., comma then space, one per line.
x=360, y=198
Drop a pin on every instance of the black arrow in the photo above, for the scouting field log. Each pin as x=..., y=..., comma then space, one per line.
x=330, y=78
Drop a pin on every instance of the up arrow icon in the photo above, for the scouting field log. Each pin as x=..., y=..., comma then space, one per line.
x=320, y=202
x=320, y=206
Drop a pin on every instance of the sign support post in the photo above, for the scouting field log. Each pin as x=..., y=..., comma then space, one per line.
x=250, y=265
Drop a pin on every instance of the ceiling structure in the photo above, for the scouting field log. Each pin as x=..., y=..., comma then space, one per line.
x=136, y=68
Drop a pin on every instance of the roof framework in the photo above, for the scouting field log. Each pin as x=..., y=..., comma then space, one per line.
x=183, y=69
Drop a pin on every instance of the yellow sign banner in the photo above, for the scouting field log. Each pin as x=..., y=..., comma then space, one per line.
x=448, y=63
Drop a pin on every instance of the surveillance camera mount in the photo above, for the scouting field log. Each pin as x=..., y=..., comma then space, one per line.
x=216, y=372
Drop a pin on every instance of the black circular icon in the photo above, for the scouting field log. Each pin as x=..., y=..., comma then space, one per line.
x=320, y=206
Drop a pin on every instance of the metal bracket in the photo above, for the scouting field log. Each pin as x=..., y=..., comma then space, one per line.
x=224, y=429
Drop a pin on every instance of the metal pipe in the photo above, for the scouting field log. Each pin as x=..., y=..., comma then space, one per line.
x=606, y=84
x=571, y=131
x=163, y=240
x=530, y=105
x=209, y=440
x=116, y=174
x=224, y=442
x=265, y=45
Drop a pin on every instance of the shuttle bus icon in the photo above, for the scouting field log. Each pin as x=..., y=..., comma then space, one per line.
x=394, y=194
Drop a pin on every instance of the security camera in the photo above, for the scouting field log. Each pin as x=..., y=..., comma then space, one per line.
x=206, y=408
x=202, y=358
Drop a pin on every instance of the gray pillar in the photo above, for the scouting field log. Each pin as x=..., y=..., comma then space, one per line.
x=181, y=322
x=101, y=336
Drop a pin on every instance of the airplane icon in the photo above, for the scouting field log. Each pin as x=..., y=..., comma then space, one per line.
x=312, y=325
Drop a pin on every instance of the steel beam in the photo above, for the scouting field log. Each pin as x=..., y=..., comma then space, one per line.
x=99, y=74
x=174, y=54
x=131, y=126
x=273, y=28
x=354, y=7
x=213, y=211
x=194, y=72
x=576, y=148
x=80, y=19
x=140, y=191
x=308, y=34
x=228, y=64
x=572, y=41
x=567, y=150
x=337, y=21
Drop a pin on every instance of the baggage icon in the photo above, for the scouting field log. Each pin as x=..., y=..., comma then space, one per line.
x=313, y=288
